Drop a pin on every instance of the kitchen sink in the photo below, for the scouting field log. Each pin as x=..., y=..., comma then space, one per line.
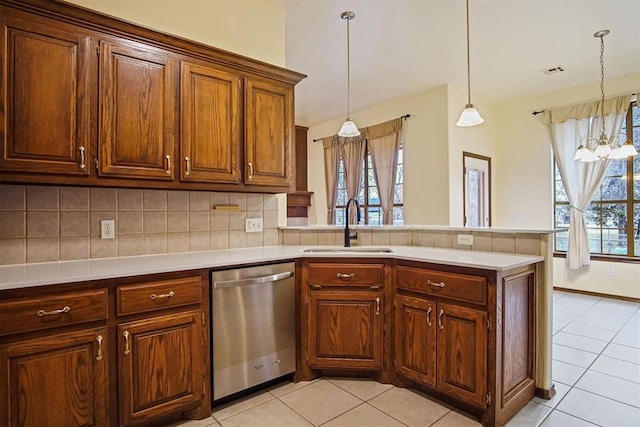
x=354, y=249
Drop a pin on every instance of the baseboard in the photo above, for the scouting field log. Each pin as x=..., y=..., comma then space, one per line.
x=596, y=294
x=546, y=394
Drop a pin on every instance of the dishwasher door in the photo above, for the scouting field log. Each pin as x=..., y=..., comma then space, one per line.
x=253, y=326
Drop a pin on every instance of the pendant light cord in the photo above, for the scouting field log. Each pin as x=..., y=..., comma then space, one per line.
x=468, y=61
x=348, y=72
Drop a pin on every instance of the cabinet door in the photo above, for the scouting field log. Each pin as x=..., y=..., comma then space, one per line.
x=345, y=329
x=137, y=129
x=416, y=339
x=462, y=352
x=44, y=97
x=268, y=133
x=57, y=380
x=159, y=366
x=210, y=125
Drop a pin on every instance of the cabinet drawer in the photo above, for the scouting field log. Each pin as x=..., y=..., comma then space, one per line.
x=345, y=274
x=152, y=296
x=460, y=287
x=50, y=311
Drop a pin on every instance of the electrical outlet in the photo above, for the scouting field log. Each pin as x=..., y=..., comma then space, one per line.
x=465, y=239
x=253, y=225
x=107, y=229
x=611, y=271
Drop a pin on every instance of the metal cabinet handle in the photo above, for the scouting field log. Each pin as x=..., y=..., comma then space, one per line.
x=378, y=306
x=187, y=160
x=82, y=158
x=42, y=313
x=99, y=339
x=155, y=297
x=345, y=276
x=440, y=319
x=250, y=165
x=316, y=287
x=374, y=288
x=440, y=285
x=429, y=316
x=168, y=170
x=126, y=334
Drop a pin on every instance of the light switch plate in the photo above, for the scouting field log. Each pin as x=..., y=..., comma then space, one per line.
x=465, y=239
x=253, y=225
x=107, y=229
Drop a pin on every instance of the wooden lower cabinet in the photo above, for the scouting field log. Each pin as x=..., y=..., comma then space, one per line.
x=56, y=380
x=345, y=330
x=159, y=366
x=442, y=346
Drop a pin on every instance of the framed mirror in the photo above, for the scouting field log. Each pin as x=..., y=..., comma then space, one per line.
x=476, y=192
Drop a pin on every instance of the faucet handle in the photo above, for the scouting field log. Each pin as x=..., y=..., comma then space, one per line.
x=353, y=236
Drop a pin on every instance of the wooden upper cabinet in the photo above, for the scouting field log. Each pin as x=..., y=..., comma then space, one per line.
x=44, y=97
x=268, y=133
x=137, y=126
x=210, y=124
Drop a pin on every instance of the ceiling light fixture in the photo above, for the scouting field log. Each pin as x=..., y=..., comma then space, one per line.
x=592, y=149
x=469, y=116
x=349, y=128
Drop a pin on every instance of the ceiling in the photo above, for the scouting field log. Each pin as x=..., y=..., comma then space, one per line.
x=401, y=47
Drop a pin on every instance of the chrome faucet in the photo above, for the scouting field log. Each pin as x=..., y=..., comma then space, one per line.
x=348, y=237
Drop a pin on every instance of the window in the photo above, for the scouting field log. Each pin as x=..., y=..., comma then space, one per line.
x=613, y=217
x=370, y=207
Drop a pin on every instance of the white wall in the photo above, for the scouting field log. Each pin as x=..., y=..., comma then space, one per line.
x=426, y=188
x=524, y=181
x=253, y=28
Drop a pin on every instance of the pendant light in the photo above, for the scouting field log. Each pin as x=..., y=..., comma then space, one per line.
x=469, y=116
x=592, y=149
x=349, y=128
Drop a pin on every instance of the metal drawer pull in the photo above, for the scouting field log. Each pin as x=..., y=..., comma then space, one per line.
x=82, y=159
x=374, y=287
x=99, y=339
x=316, y=287
x=65, y=309
x=345, y=276
x=125, y=334
x=378, y=306
x=168, y=170
x=187, y=160
x=440, y=285
x=250, y=170
x=155, y=297
x=429, y=317
x=440, y=319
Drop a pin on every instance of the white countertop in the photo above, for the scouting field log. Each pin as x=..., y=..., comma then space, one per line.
x=38, y=274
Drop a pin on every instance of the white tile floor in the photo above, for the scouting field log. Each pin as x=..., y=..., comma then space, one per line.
x=596, y=371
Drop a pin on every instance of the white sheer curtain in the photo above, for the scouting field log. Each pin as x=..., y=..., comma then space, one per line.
x=581, y=180
x=331, y=164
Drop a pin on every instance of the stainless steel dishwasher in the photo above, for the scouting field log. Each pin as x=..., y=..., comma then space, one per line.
x=253, y=326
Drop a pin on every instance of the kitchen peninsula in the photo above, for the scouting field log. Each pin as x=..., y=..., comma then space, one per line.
x=112, y=306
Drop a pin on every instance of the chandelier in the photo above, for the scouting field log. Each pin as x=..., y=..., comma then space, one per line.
x=593, y=149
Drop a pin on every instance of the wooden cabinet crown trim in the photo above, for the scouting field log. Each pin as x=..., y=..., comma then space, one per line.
x=93, y=20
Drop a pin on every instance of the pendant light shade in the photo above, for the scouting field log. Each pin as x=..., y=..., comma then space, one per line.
x=349, y=128
x=469, y=116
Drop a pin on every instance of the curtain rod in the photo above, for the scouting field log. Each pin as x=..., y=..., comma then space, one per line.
x=405, y=117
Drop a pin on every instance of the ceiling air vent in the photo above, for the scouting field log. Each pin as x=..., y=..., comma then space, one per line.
x=553, y=70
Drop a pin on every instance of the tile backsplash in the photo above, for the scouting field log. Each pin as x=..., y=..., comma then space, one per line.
x=42, y=223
